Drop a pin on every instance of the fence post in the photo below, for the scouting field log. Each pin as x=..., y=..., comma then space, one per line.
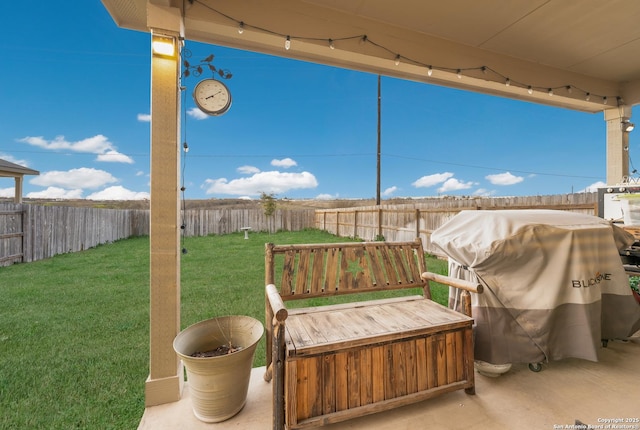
x=417, y=222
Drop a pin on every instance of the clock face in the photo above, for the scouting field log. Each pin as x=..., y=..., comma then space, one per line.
x=212, y=97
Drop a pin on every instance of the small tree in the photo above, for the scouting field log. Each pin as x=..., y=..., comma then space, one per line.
x=268, y=202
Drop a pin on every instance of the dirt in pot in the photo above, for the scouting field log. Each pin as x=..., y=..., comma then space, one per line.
x=221, y=350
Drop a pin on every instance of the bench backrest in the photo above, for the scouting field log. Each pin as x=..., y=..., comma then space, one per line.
x=328, y=269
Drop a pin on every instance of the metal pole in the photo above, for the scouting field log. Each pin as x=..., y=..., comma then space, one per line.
x=378, y=167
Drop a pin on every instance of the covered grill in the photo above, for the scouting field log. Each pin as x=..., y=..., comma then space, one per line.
x=555, y=285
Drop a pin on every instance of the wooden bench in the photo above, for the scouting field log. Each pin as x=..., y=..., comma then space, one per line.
x=335, y=362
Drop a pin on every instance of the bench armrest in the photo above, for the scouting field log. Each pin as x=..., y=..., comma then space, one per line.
x=280, y=312
x=453, y=282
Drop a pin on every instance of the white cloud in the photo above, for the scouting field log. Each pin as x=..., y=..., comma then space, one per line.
x=97, y=144
x=431, y=180
x=285, y=162
x=504, y=179
x=7, y=192
x=454, y=184
x=118, y=193
x=197, y=114
x=248, y=170
x=114, y=157
x=593, y=187
x=56, y=193
x=482, y=192
x=268, y=182
x=389, y=191
x=139, y=173
x=81, y=178
x=144, y=117
x=326, y=197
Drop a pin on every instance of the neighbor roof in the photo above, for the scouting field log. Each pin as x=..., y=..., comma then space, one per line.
x=11, y=169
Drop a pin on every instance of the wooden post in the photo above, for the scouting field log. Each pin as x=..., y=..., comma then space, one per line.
x=166, y=376
x=417, y=222
x=355, y=223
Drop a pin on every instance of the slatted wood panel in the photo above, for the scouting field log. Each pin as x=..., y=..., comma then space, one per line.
x=307, y=271
x=338, y=385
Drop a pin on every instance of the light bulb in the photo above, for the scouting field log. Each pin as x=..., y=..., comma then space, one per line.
x=397, y=59
x=604, y=100
x=530, y=90
x=430, y=71
x=185, y=147
x=241, y=27
x=331, y=45
x=507, y=82
x=569, y=89
x=588, y=97
x=459, y=73
x=287, y=43
x=550, y=92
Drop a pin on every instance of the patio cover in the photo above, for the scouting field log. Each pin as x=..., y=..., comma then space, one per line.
x=554, y=282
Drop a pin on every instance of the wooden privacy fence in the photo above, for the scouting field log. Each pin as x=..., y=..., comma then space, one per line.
x=396, y=223
x=33, y=232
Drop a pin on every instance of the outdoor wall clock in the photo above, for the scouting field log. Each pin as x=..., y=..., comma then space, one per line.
x=212, y=97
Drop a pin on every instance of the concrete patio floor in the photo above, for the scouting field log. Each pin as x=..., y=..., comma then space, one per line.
x=563, y=392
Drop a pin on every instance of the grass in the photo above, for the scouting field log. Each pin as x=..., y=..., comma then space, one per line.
x=74, y=332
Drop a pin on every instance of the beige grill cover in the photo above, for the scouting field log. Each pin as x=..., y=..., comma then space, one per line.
x=554, y=282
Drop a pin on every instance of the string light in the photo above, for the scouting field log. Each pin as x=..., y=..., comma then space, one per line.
x=364, y=39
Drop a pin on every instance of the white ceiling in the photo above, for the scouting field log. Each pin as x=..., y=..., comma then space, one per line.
x=573, y=46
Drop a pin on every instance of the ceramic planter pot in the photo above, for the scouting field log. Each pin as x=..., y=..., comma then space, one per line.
x=219, y=384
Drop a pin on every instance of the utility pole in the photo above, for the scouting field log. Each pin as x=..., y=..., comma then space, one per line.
x=378, y=169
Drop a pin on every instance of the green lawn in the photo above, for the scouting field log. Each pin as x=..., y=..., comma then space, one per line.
x=74, y=331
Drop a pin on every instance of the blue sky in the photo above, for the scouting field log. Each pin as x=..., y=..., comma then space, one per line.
x=75, y=106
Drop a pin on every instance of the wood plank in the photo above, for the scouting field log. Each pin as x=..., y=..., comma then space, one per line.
x=411, y=366
x=366, y=376
x=332, y=277
x=286, y=285
x=302, y=389
x=315, y=386
x=290, y=388
x=317, y=272
x=302, y=272
x=432, y=362
x=353, y=373
x=421, y=364
x=459, y=355
x=342, y=386
x=450, y=351
x=378, y=374
x=329, y=383
x=441, y=359
x=400, y=369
